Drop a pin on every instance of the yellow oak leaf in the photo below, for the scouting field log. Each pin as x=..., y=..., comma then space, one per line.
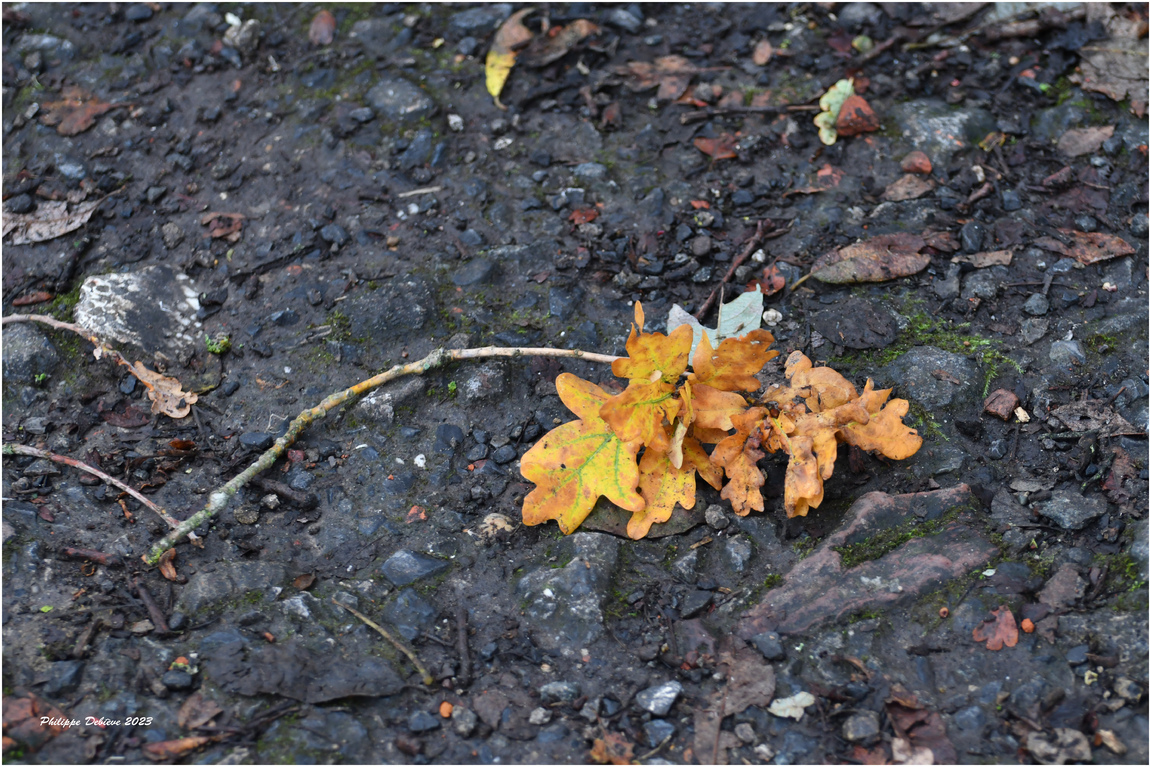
x=733, y=366
x=576, y=463
x=708, y=436
x=738, y=454
x=823, y=429
x=654, y=357
x=804, y=484
x=637, y=414
x=694, y=453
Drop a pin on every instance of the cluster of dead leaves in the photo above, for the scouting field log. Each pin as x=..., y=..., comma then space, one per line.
x=643, y=447
x=514, y=40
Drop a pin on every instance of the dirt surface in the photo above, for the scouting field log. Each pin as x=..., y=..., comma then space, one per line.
x=270, y=218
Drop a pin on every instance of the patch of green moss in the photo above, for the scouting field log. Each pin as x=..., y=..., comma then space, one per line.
x=888, y=540
x=63, y=304
x=804, y=546
x=772, y=581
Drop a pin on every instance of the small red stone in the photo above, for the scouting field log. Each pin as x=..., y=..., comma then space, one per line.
x=917, y=162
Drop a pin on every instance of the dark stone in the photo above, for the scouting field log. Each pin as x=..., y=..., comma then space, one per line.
x=28, y=353
x=477, y=271
x=559, y=692
x=769, y=644
x=405, y=567
x=421, y=721
x=398, y=100
x=856, y=324
x=256, y=440
x=335, y=234
x=504, y=455
x=285, y=318
x=970, y=718
x=448, y=438
x=658, y=730
x=21, y=203
x=63, y=677
x=563, y=302
x=418, y=151
x=477, y=453
x=972, y=235
x=138, y=12
x=694, y=603
x=178, y=680
x=1011, y=201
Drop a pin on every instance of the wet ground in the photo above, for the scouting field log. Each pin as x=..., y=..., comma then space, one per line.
x=371, y=204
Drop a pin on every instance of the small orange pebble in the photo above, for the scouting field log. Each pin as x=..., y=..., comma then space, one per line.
x=270, y=637
x=1027, y=625
x=471, y=467
x=445, y=709
x=943, y=612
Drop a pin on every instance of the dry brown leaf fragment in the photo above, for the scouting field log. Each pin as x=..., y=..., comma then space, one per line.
x=1001, y=630
x=557, y=43
x=1079, y=141
x=75, y=112
x=721, y=148
x=166, y=393
x=167, y=750
x=168, y=565
x=1001, y=403
x=197, y=711
x=672, y=74
x=762, y=53
x=909, y=187
x=1086, y=247
x=612, y=748
x=303, y=582
x=983, y=260
x=1094, y=415
x=512, y=35
x=49, y=221
x=883, y=257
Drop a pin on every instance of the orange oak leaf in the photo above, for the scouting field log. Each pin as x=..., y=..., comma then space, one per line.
x=1001, y=630
x=575, y=463
x=733, y=366
x=697, y=456
x=662, y=485
x=822, y=387
x=884, y=432
x=653, y=356
x=613, y=747
x=738, y=454
x=804, y=485
x=166, y=393
x=823, y=428
x=713, y=409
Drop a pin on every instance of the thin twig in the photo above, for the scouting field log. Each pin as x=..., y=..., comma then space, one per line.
x=11, y=449
x=428, y=679
x=218, y=499
x=154, y=611
x=748, y=249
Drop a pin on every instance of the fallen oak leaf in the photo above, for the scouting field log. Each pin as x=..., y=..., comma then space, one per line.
x=167, y=750
x=168, y=565
x=721, y=148
x=909, y=187
x=166, y=393
x=1087, y=247
x=1079, y=141
x=501, y=58
x=75, y=112
x=672, y=75
x=883, y=257
x=577, y=462
x=999, y=631
x=49, y=221
x=771, y=282
x=612, y=748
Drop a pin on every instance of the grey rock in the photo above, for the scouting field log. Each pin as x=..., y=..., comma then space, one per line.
x=27, y=353
x=1139, y=224
x=395, y=99
x=1036, y=306
x=701, y=246
x=745, y=731
x=1065, y=353
x=410, y=613
x=335, y=234
x=854, y=16
x=624, y=19
x=1033, y=330
x=716, y=517
x=478, y=21
x=563, y=607
x=694, y=603
x=970, y=718
x=982, y=283
x=386, y=316
x=177, y=680
x=1072, y=511
x=770, y=645
x=939, y=129
x=378, y=37
x=405, y=567
x=421, y=721
x=972, y=234
x=948, y=286
x=659, y=699
x=227, y=582
x=173, y=235
x=486, y=382
x=913, y=374
x=1140, y=548
x=658, y=730
x=50, y=46
x=448, y=438
x=1011, y=201
x=737, y=552
x=20, y=203
x=684, y=568
x=1076, y=656
x=563, y=302
x=418, y=151
x=861, y=727
x=590, y=170
x=1048, y=125
x=380, y=405
x=256, y=440
x=152, y=310
x=63, y=677
x=559, y=692
x=463, y=721
x=477, y=271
